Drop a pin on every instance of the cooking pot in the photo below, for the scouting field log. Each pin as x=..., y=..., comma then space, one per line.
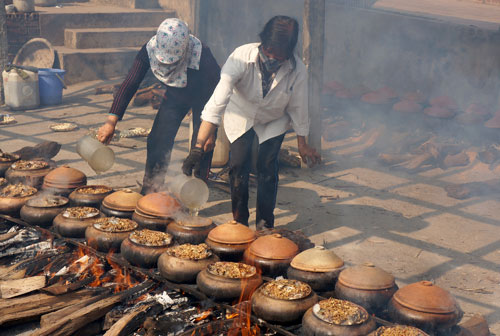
x=73, y=222
x=91, y=195
x=271, y=254
x=161, y=205
x=107, y=234
x=228, y=281
x=318, y=267
x=230, y=240
x=41, y=210
x=143, y=247
x=64, y=180
x=367, y=285
x=190, y=229
x=349, y=319
x=6, y=160
x=28, y=172
x=273, y=302
x=151, y=222
x=182, y=263
x=121, y=203
x=13, y=197
x=398, y=330
x=425, y=306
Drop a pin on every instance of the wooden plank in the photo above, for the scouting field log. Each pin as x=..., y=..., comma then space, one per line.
x=13, y=288
x=131, y=321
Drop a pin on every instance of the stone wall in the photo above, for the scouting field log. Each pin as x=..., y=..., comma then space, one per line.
x=21, y=28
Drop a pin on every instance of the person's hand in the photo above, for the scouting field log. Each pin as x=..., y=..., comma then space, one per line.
x=209, y=144
x=309, y=155
x=106, y=131
x=192, y=162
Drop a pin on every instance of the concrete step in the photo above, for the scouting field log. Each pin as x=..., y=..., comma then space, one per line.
x=92, y=64
x=52, y=22
x=128, y=3
x=84, y=38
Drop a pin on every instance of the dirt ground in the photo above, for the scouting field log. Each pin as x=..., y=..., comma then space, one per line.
x=403, y=223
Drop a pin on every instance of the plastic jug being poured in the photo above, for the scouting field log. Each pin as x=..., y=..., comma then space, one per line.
x=191, y=191
x=99, y=157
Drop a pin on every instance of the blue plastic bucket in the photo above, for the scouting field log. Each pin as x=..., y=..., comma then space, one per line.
x=50, y=83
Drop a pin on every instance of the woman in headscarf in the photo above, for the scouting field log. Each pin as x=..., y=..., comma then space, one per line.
x=262, y=92
x=190, y=72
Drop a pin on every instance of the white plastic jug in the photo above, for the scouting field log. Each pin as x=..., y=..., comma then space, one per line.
x=99, y=157
x=191, y=191
x=21, y=94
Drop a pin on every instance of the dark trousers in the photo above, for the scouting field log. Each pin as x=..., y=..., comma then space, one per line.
x=240, y=162
x=161, y=141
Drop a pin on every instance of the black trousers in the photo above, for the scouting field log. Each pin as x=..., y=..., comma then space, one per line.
x=240, y=162
x=161, y=141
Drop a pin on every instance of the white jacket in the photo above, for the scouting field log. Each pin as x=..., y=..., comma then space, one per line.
x=239, y=95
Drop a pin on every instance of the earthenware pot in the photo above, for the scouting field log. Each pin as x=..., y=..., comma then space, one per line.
x=69, y=225
x=151, y=222
x=143, y=255
x=64, y=180
x=104, y=240
x=91, y=195
x=190, y=229
x=160, y=205
x=41, y=210
x=28, y=172
x=121, y=203
x=230, y=240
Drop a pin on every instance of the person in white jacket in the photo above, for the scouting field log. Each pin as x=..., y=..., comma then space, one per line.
x=262, y=92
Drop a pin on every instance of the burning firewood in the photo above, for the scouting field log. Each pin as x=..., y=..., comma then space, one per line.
x=132, y=320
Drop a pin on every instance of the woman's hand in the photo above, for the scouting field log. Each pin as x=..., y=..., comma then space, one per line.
x=106, y=131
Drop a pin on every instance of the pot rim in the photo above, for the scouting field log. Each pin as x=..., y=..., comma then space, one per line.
x=209, y=253
x=254, y=270
x=316, y=308
x=77, y=190
x=44, y=166
x=310, y=292
x=96, y=226
x=64, y=199
x=165, y=244
x=92, y=214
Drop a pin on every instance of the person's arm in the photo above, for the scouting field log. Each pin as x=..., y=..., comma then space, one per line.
x=125, y=93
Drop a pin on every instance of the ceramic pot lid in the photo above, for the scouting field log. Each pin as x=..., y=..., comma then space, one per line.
x=159, y=204
x=317, y=259
x=122, y=200
x=65, y=177
x=366, y=277
x=232, y=233
x=426, y=297
x=193, y=222
x=274, y=247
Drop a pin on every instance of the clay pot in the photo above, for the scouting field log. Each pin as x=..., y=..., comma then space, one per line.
x=104, y=240
x=368, y=286
x=3, y=182
x=28, y=172
x=121, y=203
x=226, y=288
x=281, y=310
x=271, y=254
x=190, y=229
x=11, y=205
x=68, y=225
x=314, y=325
x=398, y=330
x=151, y=222
x=64, y=180
x=230, y=240
x=91, y=196
x=161, y=205
x=143, y=255
x=41, y=210
x=182, y=270
x=425, y=306
x=6, y=160
x=318, y=267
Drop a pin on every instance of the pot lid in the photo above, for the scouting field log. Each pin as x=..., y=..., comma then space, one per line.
x=426, y=297
x=274, y=247
x=317, y=259
x=194, y=222
x=232, y=233
x=366, y=277
x=65, y=176
x=158, y=204
x=122, y=200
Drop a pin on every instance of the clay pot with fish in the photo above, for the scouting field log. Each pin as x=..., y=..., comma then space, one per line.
x=73, y=221
x=13, y=197
x=6, y=160
x=41, y=210
x=190, y=229
x=107, y=234
x=230, y=240
x=143, y=247
x=120, y=204
x=64, y=180
x=91, y=195
x=28, y=172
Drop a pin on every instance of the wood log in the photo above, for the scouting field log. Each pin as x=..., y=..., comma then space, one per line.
x=415, y=163
x=131, y=321
x=58, y=289
x=13, y=288
x=8, y=235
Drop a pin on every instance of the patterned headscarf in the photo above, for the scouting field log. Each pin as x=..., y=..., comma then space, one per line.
x=171, y=51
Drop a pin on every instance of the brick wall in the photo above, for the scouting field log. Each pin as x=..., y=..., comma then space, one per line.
x=21, y=28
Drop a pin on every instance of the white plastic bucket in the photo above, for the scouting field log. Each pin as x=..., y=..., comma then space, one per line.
x=99, y=157
x=21, y=94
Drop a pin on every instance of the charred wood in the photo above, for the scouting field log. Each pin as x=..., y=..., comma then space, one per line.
x=132, y=320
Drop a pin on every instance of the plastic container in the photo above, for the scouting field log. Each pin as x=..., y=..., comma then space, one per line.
x=191, y=191
x=99, y=157
x=221, y=150
x=21, y=94
x=24, y=6
x=51, y=85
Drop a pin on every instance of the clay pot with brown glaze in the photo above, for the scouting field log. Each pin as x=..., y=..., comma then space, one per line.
x=230, y=240
x=121, y=203
x=425, y=306
x=280, y=308
x=271, y=254
x=155, y=211
x=13, y=197
x=72, y=222
x=228, y=281
x=190, y=229
x=367, y=285
x=41, y=210
x=6, y=160
x=107, y=234
x=182, y=263
x=143, y=247
x=64, y=180
x=315, y=323
x=318, y=267
x=91, y=195
x=28, y=172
